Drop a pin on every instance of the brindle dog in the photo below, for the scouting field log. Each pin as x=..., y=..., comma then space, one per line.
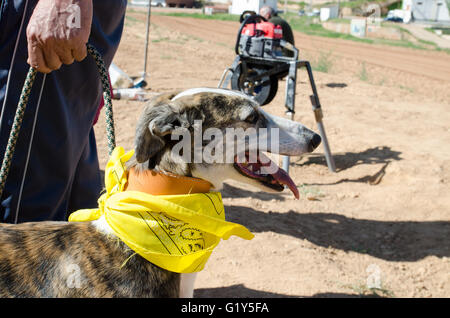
x=85, y=259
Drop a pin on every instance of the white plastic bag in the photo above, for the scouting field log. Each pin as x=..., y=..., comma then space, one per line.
x=119, y=79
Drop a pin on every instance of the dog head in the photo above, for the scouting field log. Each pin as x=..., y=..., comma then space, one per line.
x=217, y=134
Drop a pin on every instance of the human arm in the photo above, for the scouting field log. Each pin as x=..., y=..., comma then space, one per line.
x=57, y=33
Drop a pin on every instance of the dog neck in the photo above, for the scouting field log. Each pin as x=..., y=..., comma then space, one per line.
x=157, y=183
x=164, y=183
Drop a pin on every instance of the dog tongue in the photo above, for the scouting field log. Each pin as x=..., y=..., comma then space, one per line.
x=283, y=177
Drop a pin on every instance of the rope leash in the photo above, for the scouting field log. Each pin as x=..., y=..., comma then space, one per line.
x=110, y=134
x=22, y=105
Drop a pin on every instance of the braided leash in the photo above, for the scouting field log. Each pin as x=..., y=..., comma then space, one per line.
x=22, y=105
x=110, y=135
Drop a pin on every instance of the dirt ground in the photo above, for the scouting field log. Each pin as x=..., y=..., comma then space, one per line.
x=383, y=217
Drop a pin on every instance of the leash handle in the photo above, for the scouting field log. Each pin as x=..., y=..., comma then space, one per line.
x=15, y=129
x=22, y=105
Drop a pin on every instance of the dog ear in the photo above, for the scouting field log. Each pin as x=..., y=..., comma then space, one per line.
x=156, y=122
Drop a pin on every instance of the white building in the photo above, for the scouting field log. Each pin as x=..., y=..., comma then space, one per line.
x=428, y=10
x=329, y=12
x=239, y=6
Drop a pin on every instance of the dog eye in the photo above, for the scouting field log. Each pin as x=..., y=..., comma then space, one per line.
x=252, y=118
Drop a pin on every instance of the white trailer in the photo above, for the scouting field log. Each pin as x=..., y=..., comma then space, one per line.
x=239, y=6
x=428, y=10
x=330, y=12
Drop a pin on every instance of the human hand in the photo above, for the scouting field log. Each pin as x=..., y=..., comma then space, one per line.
x=57, y=33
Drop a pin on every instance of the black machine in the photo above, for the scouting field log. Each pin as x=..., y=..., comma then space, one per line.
x=263, y=58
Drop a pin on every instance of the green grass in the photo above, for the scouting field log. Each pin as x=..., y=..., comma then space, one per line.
x=129, y=20
x=363, y=75
x=443, y=50
x=310, y=193
x=166, y=57
x=382, y=81
x=306, y=25
x=300, y=5
x=445, y=31
x=427, y=42
x=409, y=89
x=395, y=6
x=340, y=20
x=163, y=39
x=302, y=24
x=364, y=291
x=216, y=16
x=324, y=62
x=350, y=4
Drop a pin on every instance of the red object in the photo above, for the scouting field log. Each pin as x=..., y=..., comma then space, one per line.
x=102, y=102
x=265, y=29
x=249, y=29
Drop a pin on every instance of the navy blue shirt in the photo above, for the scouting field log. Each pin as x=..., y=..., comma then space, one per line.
x=62, y=174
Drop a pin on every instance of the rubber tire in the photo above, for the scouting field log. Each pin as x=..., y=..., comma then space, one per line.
x=266, y=93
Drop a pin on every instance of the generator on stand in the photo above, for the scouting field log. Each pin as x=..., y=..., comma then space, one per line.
x=262, y=59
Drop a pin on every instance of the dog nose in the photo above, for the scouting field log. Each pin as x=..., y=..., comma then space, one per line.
x=314, y=143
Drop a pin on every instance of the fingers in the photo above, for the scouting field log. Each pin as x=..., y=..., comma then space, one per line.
x=36, y=58
x=52, y=41
x=65, y=54
x=52, y=59
x=49, y=57
x=48, y=53
x=79, y=52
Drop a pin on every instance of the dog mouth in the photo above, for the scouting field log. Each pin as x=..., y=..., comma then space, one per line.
x=265, y=172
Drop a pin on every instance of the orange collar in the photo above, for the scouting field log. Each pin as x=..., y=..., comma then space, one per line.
x=157, y=183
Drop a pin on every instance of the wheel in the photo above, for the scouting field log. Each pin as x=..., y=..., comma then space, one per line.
x=263, y=91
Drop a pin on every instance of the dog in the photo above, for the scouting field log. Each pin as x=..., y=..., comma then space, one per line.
x=42, y=259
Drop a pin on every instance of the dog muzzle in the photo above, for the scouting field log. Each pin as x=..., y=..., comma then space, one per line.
x=149, y=213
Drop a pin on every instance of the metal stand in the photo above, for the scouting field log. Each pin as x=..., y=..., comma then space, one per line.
x=316, y=107
x=141, y=82
x=291, y=80
x=149, y=10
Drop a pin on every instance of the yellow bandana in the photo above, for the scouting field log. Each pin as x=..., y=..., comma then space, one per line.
x=175, y=232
